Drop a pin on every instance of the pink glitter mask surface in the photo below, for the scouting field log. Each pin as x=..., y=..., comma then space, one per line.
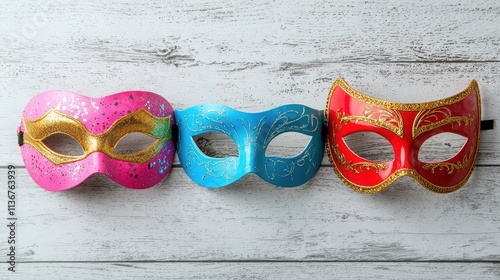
x=97, y=124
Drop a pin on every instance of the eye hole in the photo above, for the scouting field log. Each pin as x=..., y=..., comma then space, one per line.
x=133, y=142
x=288, y=144
x=441, y=147
x=63, y=144
x=370, y=146
x=216, y=145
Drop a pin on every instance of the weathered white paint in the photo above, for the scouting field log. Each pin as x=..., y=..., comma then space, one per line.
x=257, y=271
x=254, y=89
x=252, y=33
x=253, y=55
x=252, y=220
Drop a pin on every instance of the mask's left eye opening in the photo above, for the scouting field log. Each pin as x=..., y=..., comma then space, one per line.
x=288, y=144
x=133, y=142
x=63, y=144
x=441, y=147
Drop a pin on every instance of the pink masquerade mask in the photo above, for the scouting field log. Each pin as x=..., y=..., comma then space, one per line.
x=98, y=125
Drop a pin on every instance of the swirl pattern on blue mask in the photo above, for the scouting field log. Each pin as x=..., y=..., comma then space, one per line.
x=252, y=133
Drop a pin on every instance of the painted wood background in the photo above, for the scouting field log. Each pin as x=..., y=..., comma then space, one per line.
x=253, y=55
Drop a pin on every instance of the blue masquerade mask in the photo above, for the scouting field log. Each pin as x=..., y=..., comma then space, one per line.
x=252, y=133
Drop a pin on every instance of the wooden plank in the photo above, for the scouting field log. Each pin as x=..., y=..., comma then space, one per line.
x=252, y=33
x=253, y=55
x=252, y=220
x=252, y=90
x=254, y=271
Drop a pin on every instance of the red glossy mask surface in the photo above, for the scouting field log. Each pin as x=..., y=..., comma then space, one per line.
x=406, y=127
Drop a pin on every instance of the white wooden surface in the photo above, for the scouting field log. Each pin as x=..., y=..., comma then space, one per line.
x=252, y=56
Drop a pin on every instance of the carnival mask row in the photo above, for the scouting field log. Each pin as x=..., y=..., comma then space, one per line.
x=99, y=124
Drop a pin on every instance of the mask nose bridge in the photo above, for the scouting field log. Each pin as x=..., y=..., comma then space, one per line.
x=406, y=148
x=96, y=143
x=251, y=156
x=404, y=155
x=98, y=160
x=93, y=143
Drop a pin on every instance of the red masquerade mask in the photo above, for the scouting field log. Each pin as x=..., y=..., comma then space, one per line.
x=406, y=127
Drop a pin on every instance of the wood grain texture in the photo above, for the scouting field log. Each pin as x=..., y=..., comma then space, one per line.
x=254, y=55
x=257, y=271
x=252, y=33
x=254, y=90
x=252, y=220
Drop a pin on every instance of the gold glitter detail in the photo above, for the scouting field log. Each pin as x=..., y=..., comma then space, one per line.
x=55, y=122
x=427, y=120
x=358, y=167
x=402, y=106
x=473, y=86
x=388, y=119
x=339, y=115
x=401, y=173
x=450, y=167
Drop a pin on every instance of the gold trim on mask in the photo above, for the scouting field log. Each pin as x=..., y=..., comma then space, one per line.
x=473, y=86
x=450, y=166
x=402, y=106
x=55, y=122
x=357, y=167
x=386, y=119
x=398, y=174
x=423, y=117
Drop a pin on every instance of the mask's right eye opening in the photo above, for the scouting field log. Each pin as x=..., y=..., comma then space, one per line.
x=216, y=145
x=288, y=144
x=370, y=146
x=63, y=144
x=441, y=147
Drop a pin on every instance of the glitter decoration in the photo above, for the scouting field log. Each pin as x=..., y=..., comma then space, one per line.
x=97, y=124
x=406, y=126
x=251, y=133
